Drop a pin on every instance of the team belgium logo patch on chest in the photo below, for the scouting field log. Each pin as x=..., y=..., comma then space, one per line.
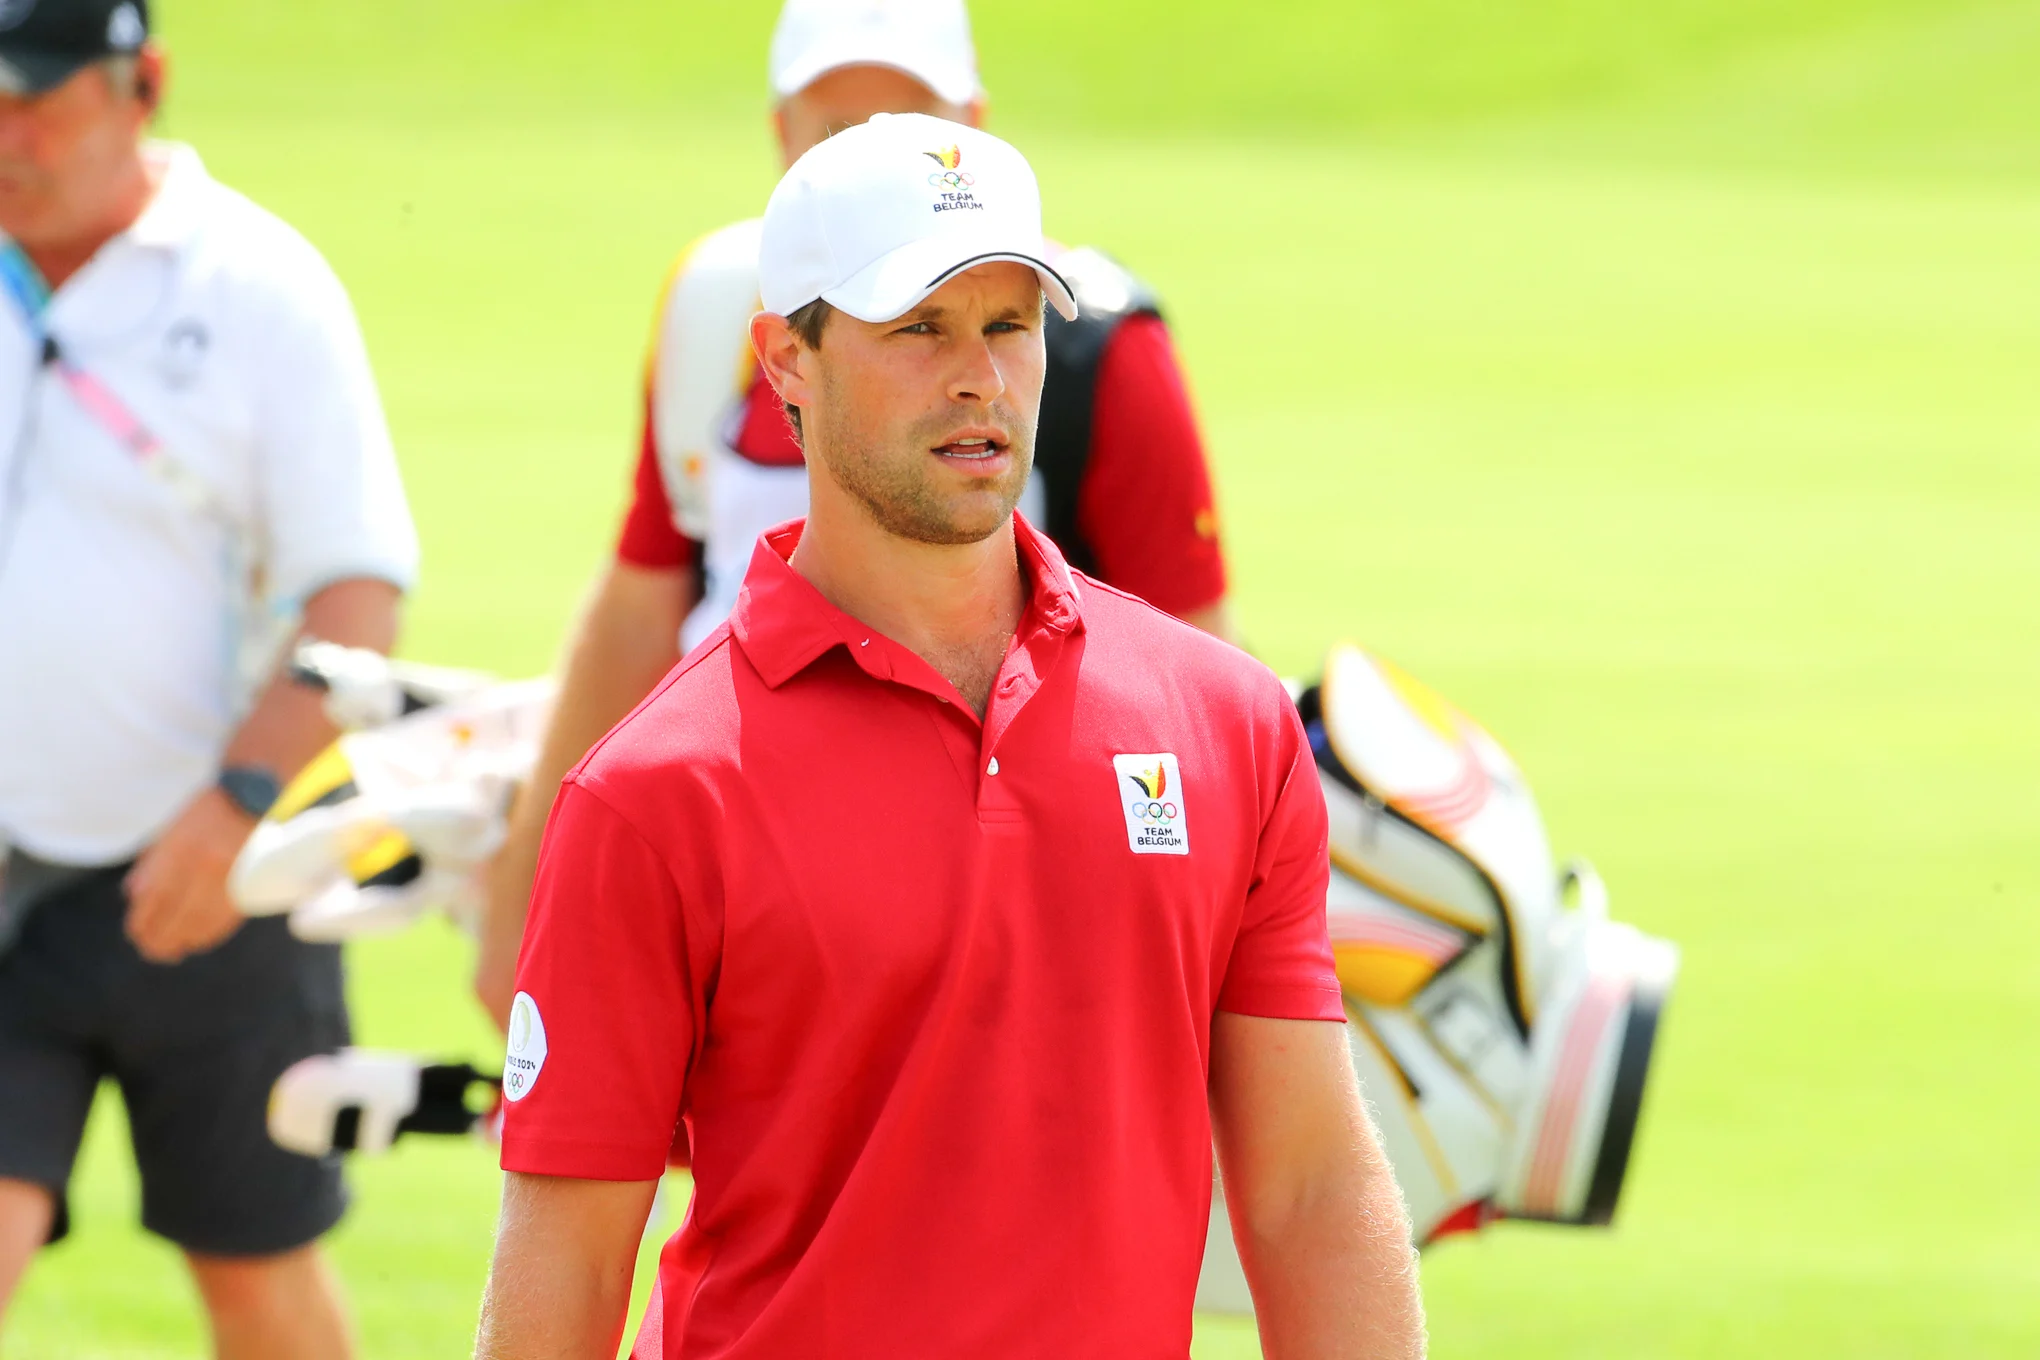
x=1151, y=796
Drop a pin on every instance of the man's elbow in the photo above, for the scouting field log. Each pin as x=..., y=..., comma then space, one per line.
x=358, y=611
x=1338, y=1202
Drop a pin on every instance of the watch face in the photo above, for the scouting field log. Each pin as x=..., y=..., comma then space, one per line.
x=251, y=788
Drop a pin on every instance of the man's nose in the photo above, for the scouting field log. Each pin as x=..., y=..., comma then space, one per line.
x=976, y=377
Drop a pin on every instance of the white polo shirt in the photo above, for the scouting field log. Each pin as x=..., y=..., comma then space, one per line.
x=130, y=607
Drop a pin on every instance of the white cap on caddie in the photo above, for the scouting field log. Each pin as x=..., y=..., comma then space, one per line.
x=880, y=215
x=928, y=39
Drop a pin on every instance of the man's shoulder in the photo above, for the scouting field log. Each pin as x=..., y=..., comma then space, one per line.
x=685, y=728
x=1136, y=635
x=256, y=273
x=700, y=345
x=722, y=259
x=249, y=245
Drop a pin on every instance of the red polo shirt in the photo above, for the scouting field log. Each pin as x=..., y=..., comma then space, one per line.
x=933, y=996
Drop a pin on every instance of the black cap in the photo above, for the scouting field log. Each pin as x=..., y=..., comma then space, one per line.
x=43, y=42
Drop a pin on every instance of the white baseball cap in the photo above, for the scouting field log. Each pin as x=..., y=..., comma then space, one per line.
x=880, y=215
x=927, y=39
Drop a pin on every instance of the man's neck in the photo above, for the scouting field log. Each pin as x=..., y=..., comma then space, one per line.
x=955, y=606
x=59, y=259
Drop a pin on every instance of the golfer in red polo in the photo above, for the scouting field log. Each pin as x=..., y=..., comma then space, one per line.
x=946, y=901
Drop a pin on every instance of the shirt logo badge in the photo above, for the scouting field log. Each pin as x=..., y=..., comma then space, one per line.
x=184, y=350
x=1151, y=796
x=526, y=1052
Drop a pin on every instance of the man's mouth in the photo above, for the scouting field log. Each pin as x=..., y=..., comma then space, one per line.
x=972, y=448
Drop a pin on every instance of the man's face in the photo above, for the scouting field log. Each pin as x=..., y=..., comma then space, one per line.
x=63, y=153
x=928, y=420
x=848, y=96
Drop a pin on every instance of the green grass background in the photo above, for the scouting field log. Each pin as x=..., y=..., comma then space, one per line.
x=1656, y=380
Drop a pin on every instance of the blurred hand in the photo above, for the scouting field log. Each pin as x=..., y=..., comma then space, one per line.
x=177, y=891
x=506, y=898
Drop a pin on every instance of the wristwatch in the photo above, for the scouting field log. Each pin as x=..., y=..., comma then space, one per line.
x=251, y=788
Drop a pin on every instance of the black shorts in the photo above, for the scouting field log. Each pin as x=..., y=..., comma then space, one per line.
x=195, y=1047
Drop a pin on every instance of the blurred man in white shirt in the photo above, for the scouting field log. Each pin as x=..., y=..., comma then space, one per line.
x=193, y=466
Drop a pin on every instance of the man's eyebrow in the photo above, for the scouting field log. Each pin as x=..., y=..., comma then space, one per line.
x=929, y=311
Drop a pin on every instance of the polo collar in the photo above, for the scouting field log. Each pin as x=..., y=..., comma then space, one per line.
x=176, y=212
x=784, y=624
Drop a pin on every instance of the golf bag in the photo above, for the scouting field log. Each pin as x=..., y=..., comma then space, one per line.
x=1502, y=1036
x=392, y=821
x=1501, y=1025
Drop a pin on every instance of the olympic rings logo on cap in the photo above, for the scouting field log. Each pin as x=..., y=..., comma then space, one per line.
x=1153, y=812
x=949, y=158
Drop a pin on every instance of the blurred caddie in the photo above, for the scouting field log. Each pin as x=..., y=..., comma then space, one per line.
x=1120, y=480
x=193, y=464
x=890, y=900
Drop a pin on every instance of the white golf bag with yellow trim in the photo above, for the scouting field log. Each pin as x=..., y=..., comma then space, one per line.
x=1501, y=1032
x=394, y=820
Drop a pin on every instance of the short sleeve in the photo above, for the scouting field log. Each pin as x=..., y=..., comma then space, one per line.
x=1281, y=965
x=612, y=1012
x=332, y=503
x=1145, y=507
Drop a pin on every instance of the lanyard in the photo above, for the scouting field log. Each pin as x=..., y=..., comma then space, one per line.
x=25, y=285
x=255, y=624
x=31, y=296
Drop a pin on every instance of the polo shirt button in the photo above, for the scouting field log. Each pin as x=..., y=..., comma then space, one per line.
x=993, y=768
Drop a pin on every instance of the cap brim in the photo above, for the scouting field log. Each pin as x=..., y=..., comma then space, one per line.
x=945, y=78
x=32, y=72
x=897, y=282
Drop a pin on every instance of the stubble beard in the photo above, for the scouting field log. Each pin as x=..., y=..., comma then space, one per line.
x=897, y=485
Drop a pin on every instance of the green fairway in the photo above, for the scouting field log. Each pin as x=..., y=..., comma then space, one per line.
x=1658, y=382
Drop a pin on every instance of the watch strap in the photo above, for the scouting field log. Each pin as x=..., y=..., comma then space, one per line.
x=251, y=788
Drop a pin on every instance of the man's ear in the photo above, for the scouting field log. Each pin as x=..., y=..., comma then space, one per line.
x=779, y=357
x=150, y=72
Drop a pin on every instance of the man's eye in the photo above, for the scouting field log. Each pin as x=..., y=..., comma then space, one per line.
x=1004, y=326
x=916, y=328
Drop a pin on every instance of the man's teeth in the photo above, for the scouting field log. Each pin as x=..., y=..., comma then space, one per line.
x=971, y=448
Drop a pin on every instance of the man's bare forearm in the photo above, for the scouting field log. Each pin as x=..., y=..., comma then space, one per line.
x=559, y=1282
x=1337, y=1276
x=1320, y=1225
x=288, y=724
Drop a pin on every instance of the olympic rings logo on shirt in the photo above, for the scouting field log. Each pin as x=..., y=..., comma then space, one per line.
x=955, y=179
x=1153, y=812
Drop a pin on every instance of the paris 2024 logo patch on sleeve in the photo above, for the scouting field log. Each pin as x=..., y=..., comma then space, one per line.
x=526, y=1051
x=1151, y=796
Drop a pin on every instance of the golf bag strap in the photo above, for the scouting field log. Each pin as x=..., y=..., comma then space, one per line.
x=1107, y=294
